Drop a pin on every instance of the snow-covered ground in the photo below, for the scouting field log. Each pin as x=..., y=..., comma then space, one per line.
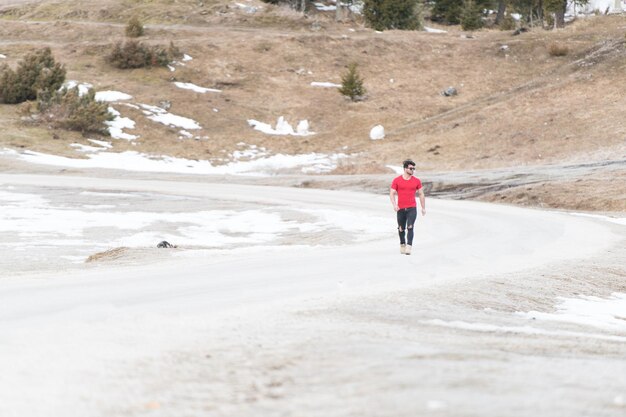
x=285, y=301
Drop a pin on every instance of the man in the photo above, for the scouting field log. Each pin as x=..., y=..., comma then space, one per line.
x=404, y=188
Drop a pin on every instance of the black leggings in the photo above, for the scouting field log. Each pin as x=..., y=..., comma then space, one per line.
x=406, y=219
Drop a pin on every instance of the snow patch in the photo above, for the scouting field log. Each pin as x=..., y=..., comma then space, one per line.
x=605, y=313
x=433, y=30
x=282, y=127
x=117, y=125
x=160, y=115
x=325, y=84
x=312, y=163
x=111, y=96
x=83, y=88
x=197, y=89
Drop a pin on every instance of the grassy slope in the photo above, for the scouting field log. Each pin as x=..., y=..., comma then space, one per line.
x=515, y=107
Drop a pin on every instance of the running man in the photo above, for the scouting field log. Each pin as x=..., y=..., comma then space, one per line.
x=404, y=188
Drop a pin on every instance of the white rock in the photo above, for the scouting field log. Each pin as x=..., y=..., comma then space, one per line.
x=283, y=127
x=377, y=132
x=303, y=127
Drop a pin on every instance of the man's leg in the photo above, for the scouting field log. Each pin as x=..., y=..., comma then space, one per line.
x=411, y=216
x=401, y=214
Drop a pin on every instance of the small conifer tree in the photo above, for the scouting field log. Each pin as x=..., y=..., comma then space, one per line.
x=134, y=28
x=471, y=16
x=352, y=84
x=392, y=14
x=37, y=72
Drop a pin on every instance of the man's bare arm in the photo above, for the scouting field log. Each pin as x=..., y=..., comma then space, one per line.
x=392, y=196
x=420, y=193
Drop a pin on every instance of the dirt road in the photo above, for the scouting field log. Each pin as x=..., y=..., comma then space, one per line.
x=345, y=327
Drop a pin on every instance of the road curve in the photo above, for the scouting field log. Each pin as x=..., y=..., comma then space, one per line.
x=57, y=328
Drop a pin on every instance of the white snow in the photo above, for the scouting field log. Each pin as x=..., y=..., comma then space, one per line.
x=197, y=89
x=492, y=328
x=282, y=127
x=186, y=58
x=160, y=115
x=377, y=132
x=325, y=84
x=101, y=143
x=109, y=328
x=111, y=96
x=396, y=169
x=592, y=6
x=617, y=220
x=604, y=313
x=84, y=148
x=134, y=161
x=117, y=125
x=324, y=8
x=2, y=56
x=435, y=405
x=433, y=30
x=303, y=128
x=83, y=88
x=27, y=218
x=184, y=133
x=252, y=152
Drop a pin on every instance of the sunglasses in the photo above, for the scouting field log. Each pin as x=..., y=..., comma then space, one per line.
x=411, y=169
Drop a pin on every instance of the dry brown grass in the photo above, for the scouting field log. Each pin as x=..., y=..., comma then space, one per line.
x=558, y=49
x=515, y=106
x=108, y=255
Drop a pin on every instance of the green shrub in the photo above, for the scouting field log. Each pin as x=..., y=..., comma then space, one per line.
x=67, y=109
x=37, y=72
x=508, y=23
x=352, y=84
x=134, y=28
x=471, y=16
x=392, y=14
x=10, y=88
x=133, y=54
x=447, y=11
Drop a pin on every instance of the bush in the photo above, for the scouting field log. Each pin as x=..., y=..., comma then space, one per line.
x=392, y=14
x=352, y=84
x=447, y=11
x=133, y=54
x=471, y=17
x=10, y=87
x=508, y=23
x=67, y=109
x=557, y=49
x=134, y=28
x=37, y=72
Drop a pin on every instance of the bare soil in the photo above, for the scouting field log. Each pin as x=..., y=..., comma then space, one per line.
x=517, y=106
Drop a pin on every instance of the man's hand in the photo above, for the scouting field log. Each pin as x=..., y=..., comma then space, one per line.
x=423, y=212
x=396, y=208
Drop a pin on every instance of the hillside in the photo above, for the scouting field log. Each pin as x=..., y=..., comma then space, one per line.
x=517, y=105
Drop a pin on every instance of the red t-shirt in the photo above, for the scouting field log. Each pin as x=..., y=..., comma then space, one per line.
x=406, y=190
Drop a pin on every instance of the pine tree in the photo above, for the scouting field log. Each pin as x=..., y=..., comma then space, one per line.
x=134, y=28
x=37, y=72
x=392, y=14
x=352, y=84
x=471, y=16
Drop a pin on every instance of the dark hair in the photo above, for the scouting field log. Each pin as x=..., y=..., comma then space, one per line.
x=407, y=163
